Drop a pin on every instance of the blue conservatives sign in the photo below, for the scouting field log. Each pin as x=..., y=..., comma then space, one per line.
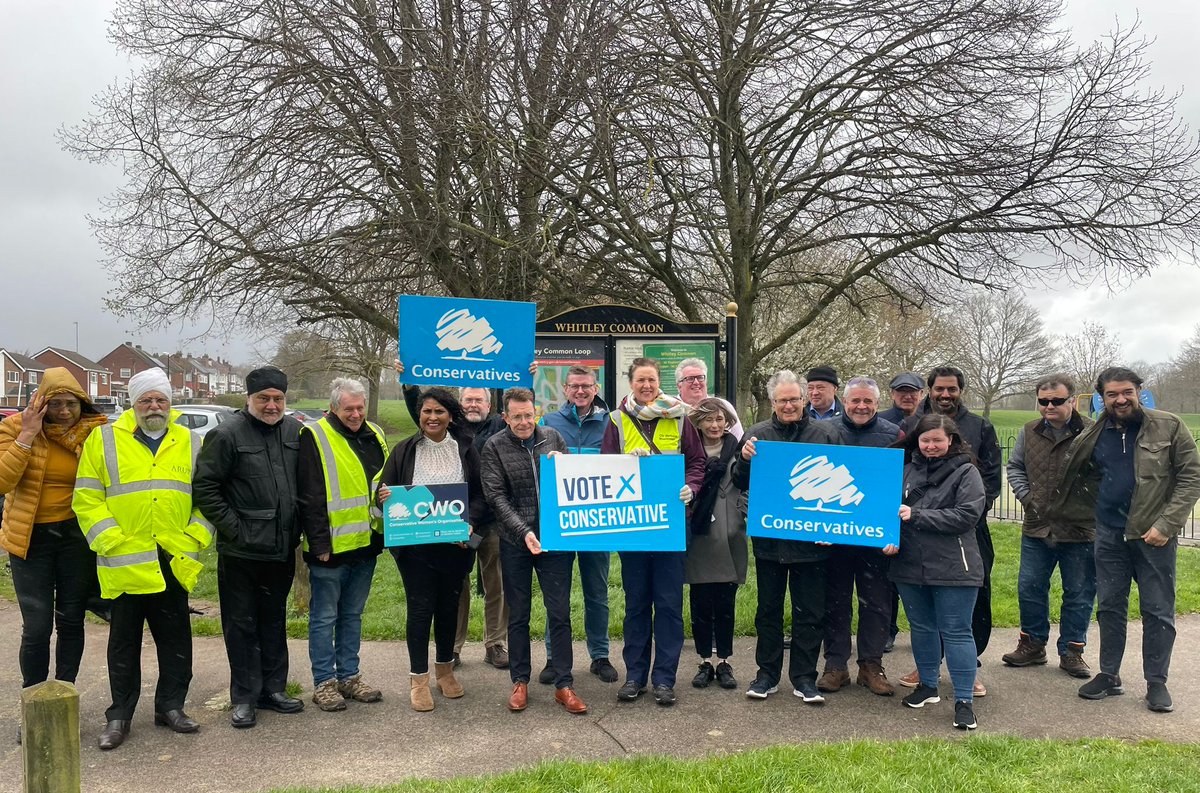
x=421, y=514
x=461, y=342
x=612, y=502
x=844, y=495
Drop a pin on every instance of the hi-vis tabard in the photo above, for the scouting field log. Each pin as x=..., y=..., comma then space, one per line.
x=666, y=434
x=130, y=503
x=347, y=491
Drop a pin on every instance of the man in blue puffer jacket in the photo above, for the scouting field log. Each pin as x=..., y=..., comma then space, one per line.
x=581, y=422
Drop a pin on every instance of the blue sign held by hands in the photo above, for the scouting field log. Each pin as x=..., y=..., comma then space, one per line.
x=423, y=514
x=463, y=342
x=843, y=495
x=612, y=502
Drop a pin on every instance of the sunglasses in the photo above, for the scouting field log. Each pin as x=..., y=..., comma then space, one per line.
x=1056, y=401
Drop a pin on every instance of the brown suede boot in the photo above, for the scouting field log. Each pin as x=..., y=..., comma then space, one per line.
x=419, y=694
x=870, y=675
x=1029, y=652
x=446, y=682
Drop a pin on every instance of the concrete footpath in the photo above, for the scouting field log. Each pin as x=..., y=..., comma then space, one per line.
x=388, y=742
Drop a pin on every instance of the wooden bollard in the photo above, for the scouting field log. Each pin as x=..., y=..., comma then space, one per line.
x=50, y=737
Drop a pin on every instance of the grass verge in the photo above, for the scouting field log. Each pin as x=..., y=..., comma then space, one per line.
x=979, y=764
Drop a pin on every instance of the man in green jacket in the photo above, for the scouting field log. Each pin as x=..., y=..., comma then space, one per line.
x=1140, y=471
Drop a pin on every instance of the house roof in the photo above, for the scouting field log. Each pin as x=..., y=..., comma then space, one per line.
x=146, y=357
x=87, y=364
x=24, y=361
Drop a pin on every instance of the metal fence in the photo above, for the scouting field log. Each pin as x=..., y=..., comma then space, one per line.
x=1006, y=507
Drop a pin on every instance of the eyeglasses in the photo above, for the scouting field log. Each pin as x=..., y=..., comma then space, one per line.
x=789, y=401
x=579, y=387
x=56, y=404
x=1056, y=401
x=694, y=378
x=146, y=402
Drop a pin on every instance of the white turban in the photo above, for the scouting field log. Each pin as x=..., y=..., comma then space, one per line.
x=149, y=380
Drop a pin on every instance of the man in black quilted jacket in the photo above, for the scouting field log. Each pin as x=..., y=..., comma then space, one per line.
x=510, y=470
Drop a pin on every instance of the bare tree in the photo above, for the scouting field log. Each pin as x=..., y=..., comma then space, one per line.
x=837, y=150
x=329, y=155
x=1085, y=354
x=999, y=344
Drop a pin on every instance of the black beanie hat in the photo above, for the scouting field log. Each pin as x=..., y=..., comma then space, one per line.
x=825, y=373
x=264, y=378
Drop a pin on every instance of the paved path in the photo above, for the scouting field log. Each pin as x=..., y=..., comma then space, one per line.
x=387, y=742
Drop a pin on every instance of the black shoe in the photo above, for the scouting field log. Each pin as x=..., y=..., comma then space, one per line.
x=630, y=691
x=547, y=675
x=922, y=696
x=114, y=734
x=243, y=716
x=603, y=669
x=664, y=695
x=964, y=715
x=177, y=720
x=725, y=678
x=761, y=688
x=1101, y=686
x=1158, y=699
x=890, y=644
x=705, y=676
x=807, y=691
x=280, y=703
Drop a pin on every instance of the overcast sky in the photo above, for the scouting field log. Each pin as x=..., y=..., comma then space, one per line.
x=54, y=56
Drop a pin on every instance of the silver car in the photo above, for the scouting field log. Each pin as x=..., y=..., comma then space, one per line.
x=202, y=418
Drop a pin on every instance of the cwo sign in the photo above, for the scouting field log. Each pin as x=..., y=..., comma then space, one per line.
x=612, y=502
x=845, y=495
x=459, y=342
x=422, y=514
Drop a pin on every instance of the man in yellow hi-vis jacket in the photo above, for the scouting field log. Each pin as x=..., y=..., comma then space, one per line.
x=133, y=499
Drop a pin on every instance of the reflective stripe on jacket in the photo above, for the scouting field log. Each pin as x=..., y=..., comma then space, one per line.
x=347, y=491
x=131, y=502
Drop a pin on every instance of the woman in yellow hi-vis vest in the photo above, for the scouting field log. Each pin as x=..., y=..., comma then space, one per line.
x=650, y=422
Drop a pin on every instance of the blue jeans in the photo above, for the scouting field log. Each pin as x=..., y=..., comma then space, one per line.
x=593, y=577
x=942, y=612
x=1077, y=568
x=653, y=583
x=339, y=595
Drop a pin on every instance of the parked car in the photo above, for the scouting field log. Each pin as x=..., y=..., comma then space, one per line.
x=109, y=407
x=6, y=412
x=202, y=418
x=306, y=414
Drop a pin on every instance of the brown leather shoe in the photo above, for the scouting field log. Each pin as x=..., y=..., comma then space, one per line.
x=833, y=680
x=870, y=675
x=519, y=698
x=1072, y=662
x=568, y=699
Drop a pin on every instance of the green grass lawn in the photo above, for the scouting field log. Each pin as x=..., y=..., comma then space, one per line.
x=384, y=615
x=979, y=764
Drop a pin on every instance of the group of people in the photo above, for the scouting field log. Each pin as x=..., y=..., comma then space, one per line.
x=130, y=505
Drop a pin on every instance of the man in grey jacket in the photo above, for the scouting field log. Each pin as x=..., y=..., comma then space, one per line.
x=1140, y=471
x=1034, y=468
x=510, y=469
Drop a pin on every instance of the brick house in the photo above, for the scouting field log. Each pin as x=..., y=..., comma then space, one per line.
x=19, y=375
x=93, y=376
x=124, y=362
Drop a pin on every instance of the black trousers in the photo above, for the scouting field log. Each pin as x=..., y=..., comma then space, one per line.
x=1119, y=563
x=53, y=583
x=554, y=579
x=981, y=619
x=166, y=613
x=806, y=582
x=853, y=567
x=431, y=599
x=712, y=617
x=253, y=598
